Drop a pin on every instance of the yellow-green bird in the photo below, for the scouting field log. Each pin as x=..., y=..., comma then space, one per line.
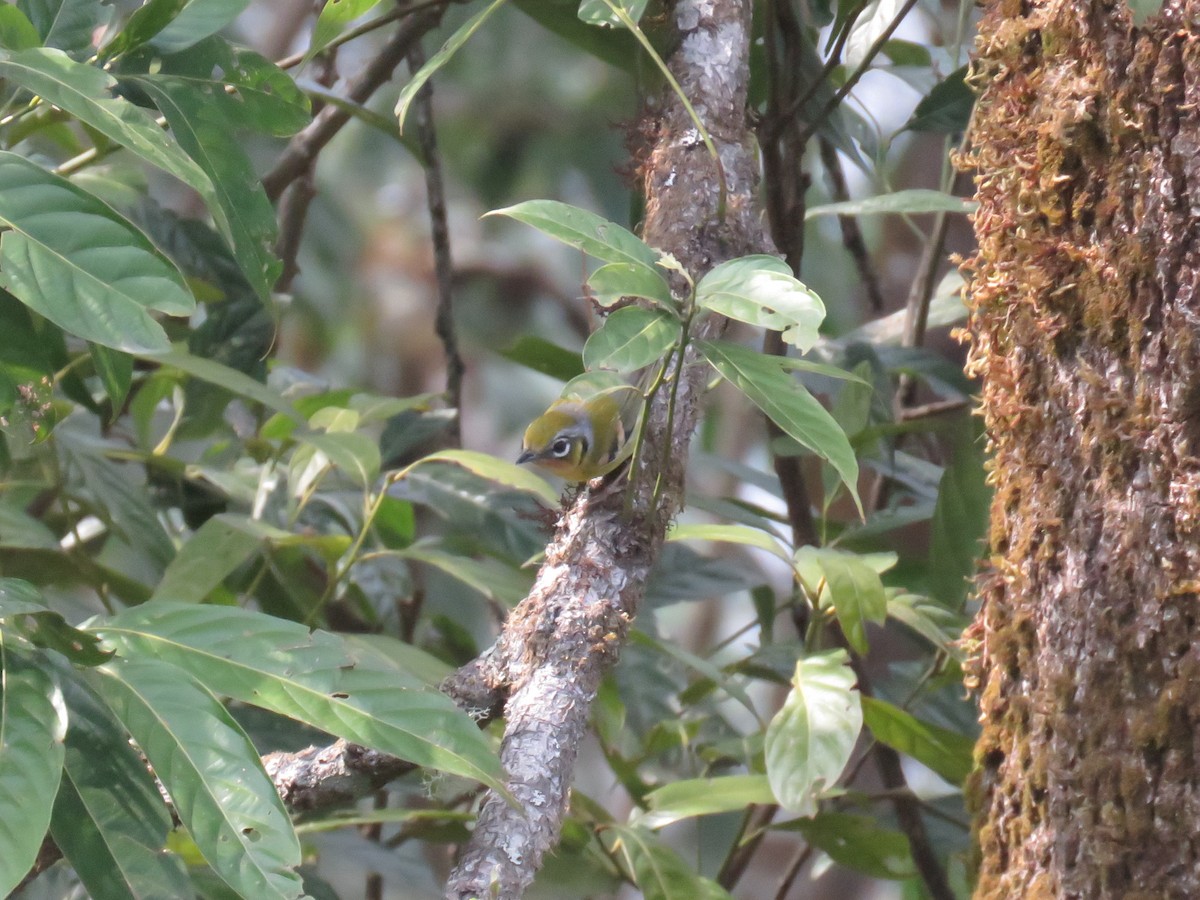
x=577, y=440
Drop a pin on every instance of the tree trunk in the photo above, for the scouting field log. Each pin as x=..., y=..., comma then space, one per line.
x=1085, y=317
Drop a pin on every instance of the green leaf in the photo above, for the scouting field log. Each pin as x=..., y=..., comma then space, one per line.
x=630, y=339
x=109, y=819
x=719, y=679
x=730, y=534
x=847, y=583
x=64, y=24
x=439, y=59
x=912, y=201
x=599, y=12
x=704, y=797
x=947, y=108
x=214, y=775
x=583, y=230
x=200, y=19
x=858, y=843
x=79, y=264
x=239, y=205
x=146, y=21
x=314, y=677
x=18, y=530
x=809, y=741
x=86, y=92
x=496, y=580
x=355, y=454
x=223, y=376
x=493, y=469
x=543, y=356
x=18, y=598
x=335, y=16
x=116, y=373
x=612, y=282
x=16, y=31
x=762, y=379
x=658, y=871
x=960, y=521
x=618, y=48
x=208, y=556
x=947, y=752
x=33, y=722
x=761, y=290
x=930, y=620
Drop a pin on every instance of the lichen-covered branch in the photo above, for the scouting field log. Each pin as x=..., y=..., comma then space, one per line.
x=560, y=641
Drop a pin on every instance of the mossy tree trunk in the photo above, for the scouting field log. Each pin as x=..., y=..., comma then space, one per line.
x=1086, y=332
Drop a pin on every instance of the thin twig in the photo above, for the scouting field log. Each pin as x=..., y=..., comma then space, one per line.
x=290, y=62
x=811, y=126
x=793, y=869
x=293, y=211
x=757, y=818
x=852, y=237
x=439, y=230
x=302, y=150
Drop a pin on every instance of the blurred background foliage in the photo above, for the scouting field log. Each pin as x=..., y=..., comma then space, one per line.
x=115, y=461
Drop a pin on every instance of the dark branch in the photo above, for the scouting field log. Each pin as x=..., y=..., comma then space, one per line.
x=302, y=150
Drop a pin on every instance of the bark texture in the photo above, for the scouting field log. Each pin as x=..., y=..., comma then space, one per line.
x=1085, y=316
x=546, y=667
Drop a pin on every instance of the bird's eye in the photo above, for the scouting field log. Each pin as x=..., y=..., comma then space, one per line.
x=561, y=447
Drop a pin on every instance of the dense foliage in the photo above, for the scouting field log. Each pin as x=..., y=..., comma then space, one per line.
x=229, y=526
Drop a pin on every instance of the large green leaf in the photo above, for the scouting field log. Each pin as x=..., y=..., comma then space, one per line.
x=242, y=211
x=212, y=772
x=612, y=282
x=146, y=21
x=960, y=520
x=946, y=752
x=335, y=16
x=16, y=31
x=200, y=19
x=439, y=59
x=704, y=797
x=493, y=469
x=33, y=721
x=911, y=201
x=763, y=379
x=86, y=92
x=859, y=843
x=586, y=231
x=810, y=739
x=847, y=583
x=230, y=379
x=731, y=534
x=658, y=871
x=496, y=580
x=948, y=106
x=630, y=339
x=109, y=819
x=64, y=24
x=761, y=290
x=310, y=676
x=79, y=264
x=219, y=546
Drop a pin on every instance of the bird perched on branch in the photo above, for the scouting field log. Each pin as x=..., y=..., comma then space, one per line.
x=577, y=439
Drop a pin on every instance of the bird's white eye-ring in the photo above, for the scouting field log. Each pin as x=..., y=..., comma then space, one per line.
x=561, y=447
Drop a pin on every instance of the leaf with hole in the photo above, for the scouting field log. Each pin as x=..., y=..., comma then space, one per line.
x=761, y=290
x=212, y=772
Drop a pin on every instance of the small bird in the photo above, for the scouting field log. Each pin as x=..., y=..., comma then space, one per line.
x=577, y=440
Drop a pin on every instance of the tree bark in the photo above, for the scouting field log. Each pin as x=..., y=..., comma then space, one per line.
x=545, y=669
x=1085, y=329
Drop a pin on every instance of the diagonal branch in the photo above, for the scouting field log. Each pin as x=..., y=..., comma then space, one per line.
x=547, y=665
x=303, y=148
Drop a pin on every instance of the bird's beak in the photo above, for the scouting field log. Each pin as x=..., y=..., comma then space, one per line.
x=526, y=456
